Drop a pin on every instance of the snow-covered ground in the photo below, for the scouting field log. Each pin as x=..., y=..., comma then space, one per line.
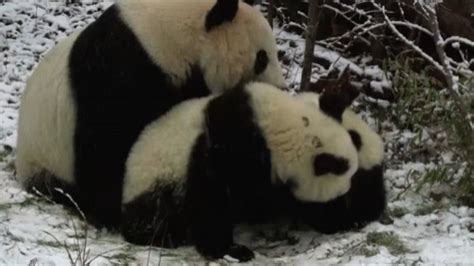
x=36, y=232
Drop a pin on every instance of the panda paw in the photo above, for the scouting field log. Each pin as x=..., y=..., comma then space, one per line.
x=242, y=253
x=238, y=252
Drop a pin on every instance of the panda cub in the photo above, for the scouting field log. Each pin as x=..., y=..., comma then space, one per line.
x=211, y=162
x=366, y=199
x=93, y=93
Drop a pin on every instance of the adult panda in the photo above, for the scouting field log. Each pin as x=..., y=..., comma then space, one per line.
x=93, y=93
x=366, y=199
x=231, y=158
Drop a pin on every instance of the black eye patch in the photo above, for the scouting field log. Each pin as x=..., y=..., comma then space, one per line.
x=325, y=163
x=261, y=62
x=356, y=140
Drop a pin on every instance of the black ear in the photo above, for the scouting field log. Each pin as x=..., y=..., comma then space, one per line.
x=250, y=2
x=222, y=11
x=333, y=102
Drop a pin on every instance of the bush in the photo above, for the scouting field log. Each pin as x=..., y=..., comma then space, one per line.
x=425, y=108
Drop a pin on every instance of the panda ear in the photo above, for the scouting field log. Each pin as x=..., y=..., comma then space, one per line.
x=250, y=2
x=334, y=102
x=222, y=11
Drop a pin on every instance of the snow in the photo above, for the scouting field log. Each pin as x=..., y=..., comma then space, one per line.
x=294, y=47
x=34, y=231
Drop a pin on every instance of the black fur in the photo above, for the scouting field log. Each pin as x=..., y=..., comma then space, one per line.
x=156, y=218
x=368, y=195
x=208, y=206
x=356, y=139
x=364, y=203
x=117, y=90
x=224, y=189
x=222, y=11
x=228, y=181
x=326, y=163
x=236, y=186
x=261, y=62
x=334, y=103
x=47, y=185
x=240, y=153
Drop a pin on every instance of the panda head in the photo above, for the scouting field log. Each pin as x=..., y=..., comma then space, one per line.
x=239, y=36
x=311, y=152
x=366, y=198
x=369, y=144
x=229, y=41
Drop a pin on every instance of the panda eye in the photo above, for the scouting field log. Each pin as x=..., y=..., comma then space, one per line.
x=329, y=164
x=261, y=62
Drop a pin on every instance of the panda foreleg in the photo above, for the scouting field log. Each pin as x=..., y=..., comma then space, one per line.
x=363, y=203
x=367, y=195
x=211, y=222
x=207, y=203
x=328, y=217
x=99, y=154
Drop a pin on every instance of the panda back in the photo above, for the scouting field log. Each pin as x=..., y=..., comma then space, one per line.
x=47, y=118
x=162, y=152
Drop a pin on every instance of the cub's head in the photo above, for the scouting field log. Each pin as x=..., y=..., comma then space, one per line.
x=310, y=151
x=366, y=199
x=368, y=143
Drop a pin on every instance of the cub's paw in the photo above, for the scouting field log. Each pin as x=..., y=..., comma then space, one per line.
x=238, y=252
x=242, y=253
x=211, y=253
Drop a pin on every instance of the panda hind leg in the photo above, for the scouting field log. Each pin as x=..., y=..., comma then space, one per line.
x=47, y=185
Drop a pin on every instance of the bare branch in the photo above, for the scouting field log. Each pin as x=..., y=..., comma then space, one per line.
x=443, y=66
x=314, y=15
x=405, y=40
x=459, y=40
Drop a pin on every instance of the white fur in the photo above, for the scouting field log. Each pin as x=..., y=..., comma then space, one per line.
x=372, y=150
x=296, y=134
x=173, y=33
x=47, y=118
x=161, y=153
